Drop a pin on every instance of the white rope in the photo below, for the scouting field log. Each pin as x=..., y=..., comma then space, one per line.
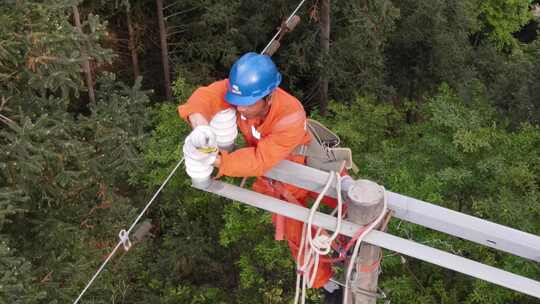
x=124, y=235
x=299, y=277
x=317, y=245
x=359, y=240
x=321, y=244
x=286, y=22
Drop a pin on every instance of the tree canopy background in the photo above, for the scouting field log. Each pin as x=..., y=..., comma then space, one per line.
x=438, y=99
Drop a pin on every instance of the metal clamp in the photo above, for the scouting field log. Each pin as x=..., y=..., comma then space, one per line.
x=124, y=238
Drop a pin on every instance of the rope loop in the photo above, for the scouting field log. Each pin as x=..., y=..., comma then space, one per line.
x=314, y=246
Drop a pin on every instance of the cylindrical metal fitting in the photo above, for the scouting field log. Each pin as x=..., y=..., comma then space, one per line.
x=272, y=49
x=293, y=22
x=201, y=183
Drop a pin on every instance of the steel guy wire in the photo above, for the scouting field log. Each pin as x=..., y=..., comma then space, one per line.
x=124, y=235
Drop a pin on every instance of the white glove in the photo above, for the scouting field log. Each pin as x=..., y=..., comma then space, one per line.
x=203, y=137
x=201, y=146
x=197, y=119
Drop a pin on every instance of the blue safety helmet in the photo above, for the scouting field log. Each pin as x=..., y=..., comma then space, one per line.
x=252, y=77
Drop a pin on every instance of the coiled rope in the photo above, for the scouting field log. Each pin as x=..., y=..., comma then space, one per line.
x=317, y=245
x=320, y=244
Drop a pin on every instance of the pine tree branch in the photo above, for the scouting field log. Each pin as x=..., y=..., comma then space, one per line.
x=47, y=278
x=6, y=120
x=4, y=101
x=86, y=61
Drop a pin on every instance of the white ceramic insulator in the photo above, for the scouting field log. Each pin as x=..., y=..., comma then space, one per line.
x=196, y=167
x=197, y=170
x=223, y=124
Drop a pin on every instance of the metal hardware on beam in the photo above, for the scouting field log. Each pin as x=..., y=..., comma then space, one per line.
x=467, y=227
x=381, y=239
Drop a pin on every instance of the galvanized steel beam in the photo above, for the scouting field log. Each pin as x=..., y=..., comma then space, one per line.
x=381, y=239
x=428, y=215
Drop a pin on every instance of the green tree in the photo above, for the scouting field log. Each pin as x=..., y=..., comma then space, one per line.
x=511, y=81
x=430, y=45
x=73, y=172
x=463, y=157
x=64, y=181
x=499, y=19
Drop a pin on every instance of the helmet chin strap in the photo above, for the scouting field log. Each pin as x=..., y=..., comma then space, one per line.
x=268, y=105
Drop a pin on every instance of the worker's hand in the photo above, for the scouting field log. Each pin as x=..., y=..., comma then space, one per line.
x=200, y=145
x=203, y=137
x=197, y=119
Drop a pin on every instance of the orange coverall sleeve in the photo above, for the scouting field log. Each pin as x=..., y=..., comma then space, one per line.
x=205, y=100
x=271, y=149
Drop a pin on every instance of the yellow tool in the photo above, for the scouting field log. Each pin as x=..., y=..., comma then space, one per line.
x=207, y=149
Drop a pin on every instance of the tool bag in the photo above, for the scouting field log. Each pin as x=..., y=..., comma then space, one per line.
x=323, y=152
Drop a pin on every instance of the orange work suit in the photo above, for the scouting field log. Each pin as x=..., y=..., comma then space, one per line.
x=269, y=140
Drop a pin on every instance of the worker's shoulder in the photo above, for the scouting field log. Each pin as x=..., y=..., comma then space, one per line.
x=288, y=112
x=219, y=85
x=287, y=102
x=214, y=90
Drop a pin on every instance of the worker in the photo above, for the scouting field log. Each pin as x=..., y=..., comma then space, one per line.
x=273, y=123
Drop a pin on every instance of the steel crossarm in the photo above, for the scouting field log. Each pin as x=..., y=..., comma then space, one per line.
x=381, y=239
x=442, y=219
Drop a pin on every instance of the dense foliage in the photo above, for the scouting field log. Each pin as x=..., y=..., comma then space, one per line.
x=437, y=99
x=64, y=178
x=461, y=156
